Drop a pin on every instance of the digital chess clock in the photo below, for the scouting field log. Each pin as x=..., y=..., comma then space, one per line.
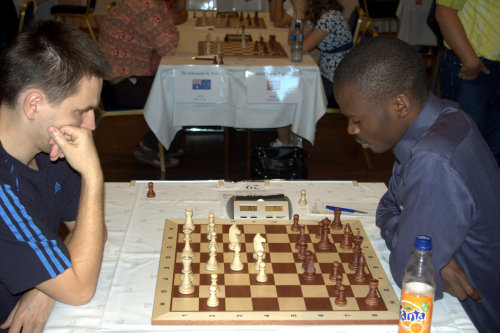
x=273, y=207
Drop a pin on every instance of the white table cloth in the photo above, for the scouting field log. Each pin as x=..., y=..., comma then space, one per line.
x=165, y=116
x=124, y=298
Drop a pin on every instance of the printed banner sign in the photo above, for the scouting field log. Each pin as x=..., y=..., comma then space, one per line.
x=272, y=84
x=200, y=84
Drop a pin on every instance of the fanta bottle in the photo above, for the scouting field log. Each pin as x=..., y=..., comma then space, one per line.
x=417, y=292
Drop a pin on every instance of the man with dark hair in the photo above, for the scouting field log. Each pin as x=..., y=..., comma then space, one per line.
x=49, y=172
x=445, y=181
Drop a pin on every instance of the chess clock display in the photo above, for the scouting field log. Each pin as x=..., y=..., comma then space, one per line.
x=274, y=207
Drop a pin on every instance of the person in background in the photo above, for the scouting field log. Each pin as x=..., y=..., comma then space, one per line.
x=134, y=36
x=325, y=28
x=445, y=181
x=49, y=172
x=471, y=62
x=281, y=13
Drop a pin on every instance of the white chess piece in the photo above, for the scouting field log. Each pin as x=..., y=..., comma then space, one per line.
x=188, y=224
x=262, y=276
x=234, y=232
x=212, y=300
x=210, y=225
x=302, y=200
x=186, y=286
x=187, y=251
x=260, y=258
x=212, y=264
x=257, y=245
x=236, y=265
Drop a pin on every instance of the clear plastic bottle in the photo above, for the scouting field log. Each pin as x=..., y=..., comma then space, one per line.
x=418, y=287
x=296, y=42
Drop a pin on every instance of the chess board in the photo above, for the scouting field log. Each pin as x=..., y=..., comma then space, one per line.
x=235, y=49
x=286, y=298
x=233, y=22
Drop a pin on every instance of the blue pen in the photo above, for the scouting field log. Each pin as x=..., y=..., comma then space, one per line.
x=347, y=210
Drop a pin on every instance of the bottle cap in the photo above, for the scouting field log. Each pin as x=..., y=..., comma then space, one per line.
x=423, y=243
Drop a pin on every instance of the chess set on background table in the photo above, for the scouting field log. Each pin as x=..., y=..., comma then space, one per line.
x=230, y=20
x=291, y=291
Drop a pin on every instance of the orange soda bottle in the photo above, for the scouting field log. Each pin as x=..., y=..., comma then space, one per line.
x=418, y=287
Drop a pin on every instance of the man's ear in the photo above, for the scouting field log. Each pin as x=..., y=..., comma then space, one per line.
x=402, y=105
x=32, y=103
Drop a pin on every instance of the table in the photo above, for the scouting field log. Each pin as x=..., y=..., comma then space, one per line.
x=124, y=298
x=165, y=116
x=413, y=22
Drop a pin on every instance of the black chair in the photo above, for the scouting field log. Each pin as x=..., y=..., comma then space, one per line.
x=26, y=15
x=360, y=26
x=382, y=11
x=82, y=12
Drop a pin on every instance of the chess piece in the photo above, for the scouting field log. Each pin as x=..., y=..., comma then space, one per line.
x=243, y=42
x=188, y=223
x=341, y=300
x=336, y=224
x=221, y=60
x=151, y=193
x=319, y=233
x=187, y=251
x=212, y=264
x=360, y=275
x=302, y=250
x=234, y=232
x=335, y=271
x=236, y=264
x=302, y=237
x=257, y=245
x=260, y=258
x=346, y=243
x=295, y=225
x=303, y=200
x=210, y=225
x=354, y=262
x=186, y=286
x=325, y=244
x=310, y=272
x=358, y=239
x=308, y=255
x=372, y=299
x=212, y=300
x=262, y=276
x=338, y=283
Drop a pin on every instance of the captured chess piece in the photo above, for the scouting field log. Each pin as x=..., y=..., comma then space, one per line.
x=372, y=299
x=303, y=200
x=151, y=193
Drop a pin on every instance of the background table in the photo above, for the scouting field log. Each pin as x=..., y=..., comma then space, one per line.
x=124, y=298
x=165, y=117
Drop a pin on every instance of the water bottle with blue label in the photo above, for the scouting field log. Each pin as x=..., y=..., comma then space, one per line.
x=296, y=43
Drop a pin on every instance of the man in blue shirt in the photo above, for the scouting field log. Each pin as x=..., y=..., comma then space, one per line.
x=51, y=79
x=445, y=182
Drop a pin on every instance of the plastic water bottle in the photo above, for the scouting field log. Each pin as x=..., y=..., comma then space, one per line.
x=296, y=43
x=418, y=287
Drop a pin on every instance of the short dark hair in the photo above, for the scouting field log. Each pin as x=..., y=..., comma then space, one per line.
x=382, y=67
x=53, y=57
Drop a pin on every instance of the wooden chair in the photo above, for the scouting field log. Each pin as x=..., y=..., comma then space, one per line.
x=103, y=113
x=82, y=12
x=360, y=26
x=382, y=11
x=26, y=15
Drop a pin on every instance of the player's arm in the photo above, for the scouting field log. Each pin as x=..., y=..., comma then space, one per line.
x=77, y=284
x=313, y=39
x=454, y=34
x=280, y=16
x=388, y=212
x=435, y=202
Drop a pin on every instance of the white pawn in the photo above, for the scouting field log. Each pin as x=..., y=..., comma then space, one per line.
x=260, y=258
x=234, y=232
x=212, y=300
x=302, y=200
x=236, y=265
x=262, y=276
x=257, y=245
x=188, y=224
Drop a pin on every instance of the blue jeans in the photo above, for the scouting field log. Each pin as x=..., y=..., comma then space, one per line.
x=479, y=98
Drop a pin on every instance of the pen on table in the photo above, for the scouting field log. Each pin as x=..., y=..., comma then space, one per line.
x=202, y=58
x=347, y=210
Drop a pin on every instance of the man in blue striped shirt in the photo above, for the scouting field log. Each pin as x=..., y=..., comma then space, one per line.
x=51, y=79
x=445, y=181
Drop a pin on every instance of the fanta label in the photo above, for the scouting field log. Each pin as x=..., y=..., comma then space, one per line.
x=415, y=313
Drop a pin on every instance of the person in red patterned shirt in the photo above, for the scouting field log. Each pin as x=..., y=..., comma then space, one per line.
x=134, y=36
